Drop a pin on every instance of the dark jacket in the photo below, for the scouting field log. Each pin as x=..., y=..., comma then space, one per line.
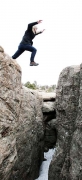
x=29, y=35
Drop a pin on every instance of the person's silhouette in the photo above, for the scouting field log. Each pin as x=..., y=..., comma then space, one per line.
x=26, y=43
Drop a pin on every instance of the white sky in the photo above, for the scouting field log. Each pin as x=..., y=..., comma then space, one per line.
x=58, y=47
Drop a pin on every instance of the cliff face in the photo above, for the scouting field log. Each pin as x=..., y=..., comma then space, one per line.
x=21, y=129
x=67, y=160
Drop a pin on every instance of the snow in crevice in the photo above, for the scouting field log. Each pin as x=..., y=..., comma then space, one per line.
x=43, y=175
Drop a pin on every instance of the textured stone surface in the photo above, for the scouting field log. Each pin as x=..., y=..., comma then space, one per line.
x=29, y=137
x=10, y=88
x=21, y=129
x=48, y=109
x=1, y=49
x=47, y=96
x=67, y=160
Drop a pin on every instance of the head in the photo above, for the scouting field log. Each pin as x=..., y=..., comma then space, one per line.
x=34, y=29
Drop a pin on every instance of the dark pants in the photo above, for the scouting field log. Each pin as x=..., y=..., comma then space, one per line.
x=25, y=47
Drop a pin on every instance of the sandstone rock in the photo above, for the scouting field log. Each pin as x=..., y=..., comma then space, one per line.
x=67, y=160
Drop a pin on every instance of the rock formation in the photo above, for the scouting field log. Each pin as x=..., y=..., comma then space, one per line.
x=67, y=160
x=21, y=128
x=31, y=122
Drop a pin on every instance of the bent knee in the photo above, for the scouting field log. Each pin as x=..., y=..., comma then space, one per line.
x=35, y=50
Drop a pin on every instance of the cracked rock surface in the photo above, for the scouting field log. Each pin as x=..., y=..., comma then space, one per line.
x=66, y=163
x=21, y=129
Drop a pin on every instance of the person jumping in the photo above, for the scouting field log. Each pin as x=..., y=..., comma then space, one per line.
x=26, y=43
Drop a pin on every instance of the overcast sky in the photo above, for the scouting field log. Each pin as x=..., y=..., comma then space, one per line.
x=59, y=46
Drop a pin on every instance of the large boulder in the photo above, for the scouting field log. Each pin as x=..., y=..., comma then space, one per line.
x=29, y=137
x=66, y=163
x=21, y=129
x=10, y=88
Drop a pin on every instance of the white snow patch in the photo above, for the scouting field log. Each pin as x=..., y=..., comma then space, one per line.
x=45, y=165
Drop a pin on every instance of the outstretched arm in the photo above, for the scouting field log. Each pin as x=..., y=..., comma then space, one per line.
x=34, y=23
x=40, y=32
x=40, y=21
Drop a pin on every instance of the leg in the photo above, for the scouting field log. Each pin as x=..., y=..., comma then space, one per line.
x=18, y=53
x=33, y=50
x=27, y=47
x=30, y=48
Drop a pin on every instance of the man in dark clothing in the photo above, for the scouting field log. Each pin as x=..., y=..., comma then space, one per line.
x=26, y=43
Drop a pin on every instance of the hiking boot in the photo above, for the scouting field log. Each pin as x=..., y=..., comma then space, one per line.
x=33, y=63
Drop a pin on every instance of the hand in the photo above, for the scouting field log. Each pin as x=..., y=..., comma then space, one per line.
x=40, y=21
x=43, y=30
